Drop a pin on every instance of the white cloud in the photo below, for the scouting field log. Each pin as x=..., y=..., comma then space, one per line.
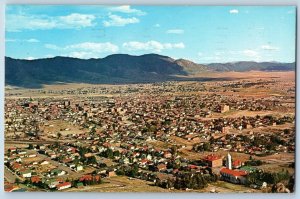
x=32, y=40
x=270, y=48
x=219, y=53
x=77, y=20
x=175, y=31
x=10, y=40
x=81, y=55
x=85, y=50
x=157, y=25
x=52, y=46
x=94, y=47
x=200, y=54
x=127, y=9
x=234, y=11
x=211, y=58
x=18, y=22
x=233, y=52
x=15, y=22
x=49, y=56
x=30, y=58
x=250, y=53
x=22, y=40
x=115, y=20
x=151, y=46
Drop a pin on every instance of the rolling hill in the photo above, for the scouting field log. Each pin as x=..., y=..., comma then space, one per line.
x=117, y=69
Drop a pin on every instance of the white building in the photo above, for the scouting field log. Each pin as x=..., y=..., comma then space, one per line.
x=79, y=168
x=64, y=185
x=26, y=174
x=228, y=162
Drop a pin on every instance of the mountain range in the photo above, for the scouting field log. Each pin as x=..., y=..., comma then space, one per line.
x=118, y=69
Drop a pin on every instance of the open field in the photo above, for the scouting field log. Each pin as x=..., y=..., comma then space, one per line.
x=287, y=77
x=121, y=184
x=125, y=184
x=63, y=127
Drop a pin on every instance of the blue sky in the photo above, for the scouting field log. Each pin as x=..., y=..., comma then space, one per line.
x=204, y=34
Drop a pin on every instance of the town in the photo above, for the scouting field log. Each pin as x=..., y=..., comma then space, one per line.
x=217, y=136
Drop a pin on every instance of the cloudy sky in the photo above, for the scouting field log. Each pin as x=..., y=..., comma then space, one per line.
x=202, y=34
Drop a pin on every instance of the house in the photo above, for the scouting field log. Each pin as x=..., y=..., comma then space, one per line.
x=224, y=108
x=35, y=179
x=10, y=188
x=32, y=155
x=44, y=162
x=161, y=167
x=71, y=165
x=16, y=166
x=149, y=157
x=88, y=155
x=22, y=152
x=52, y=155
x=167, y=154
x=125, y=160
x=67, y=160
x=12, y=149
x=52, y=183
x=57, y=172
x=162, y=180
x=112, y=174
x=63, y=185
x=89, y=178
x=79, y=185
x=25, y=173
x=86, y=178
x=213, y=160
x=143, y=162
x=79, y=168
x=71, y=150
x=237, y=164
x=233, y=176
x=41, y=147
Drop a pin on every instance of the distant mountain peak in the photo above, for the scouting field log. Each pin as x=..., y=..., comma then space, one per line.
x=117, y=68
x=252, y=65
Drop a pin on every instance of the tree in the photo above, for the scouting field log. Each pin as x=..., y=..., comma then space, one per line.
x=206, y=146
x=286, y=131
x=120, y=171
x=92, y=160
x=109, y=153
x=17, y=181
x=212, y=140
x=30, y=146
x=174, y=150
x=116, y=153
x=93, y=130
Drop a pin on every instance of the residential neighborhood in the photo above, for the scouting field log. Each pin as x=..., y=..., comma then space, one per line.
x=184, y=141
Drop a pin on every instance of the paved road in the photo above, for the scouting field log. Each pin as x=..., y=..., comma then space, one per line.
x=10, y=176
x=7, y=141
x=71, y=173
x=57, y=164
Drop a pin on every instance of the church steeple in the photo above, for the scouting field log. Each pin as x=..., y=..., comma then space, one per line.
x=228, y=162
